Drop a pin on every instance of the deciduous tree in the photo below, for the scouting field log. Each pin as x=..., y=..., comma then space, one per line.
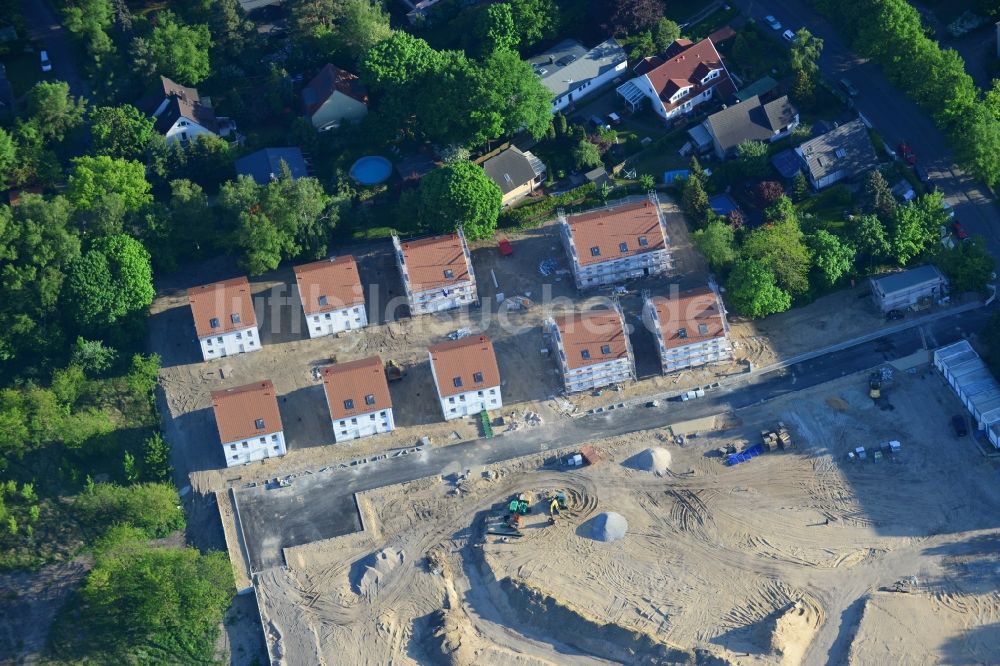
x=178, y=51
x=534, y=20
x=94, y=179
x=459, y=194
x=52, y=110
x=111, y=281
x=968, y=265
x=717, y=243
x=831, y=257
x=753, y=158
x=754, y=292
x=363, y=25
x=120, y=131
x=870, y=238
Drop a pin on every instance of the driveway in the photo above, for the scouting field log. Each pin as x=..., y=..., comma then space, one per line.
x=894, y=116
x=44, y=25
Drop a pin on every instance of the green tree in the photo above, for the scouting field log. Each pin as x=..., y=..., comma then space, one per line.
x=979, y=145
x=94, y=179
x=717, y=243
x=800, y=186
x=129, y=469
x=8, y=157
x=968, y=265
x=495, y=28
x=804, y=88
x=665, y=34
x=694, y=201
x=586, y=155
x=534, y=20
x=781, y=248
x=754, y=292
x=459, y=194
x=402, y=59
x=150, y=507
x=831, y=257
x=753, y=158
x=916, y=226
x=52, y=111
x=156, y=458
x=363, y=25
x=232, y=32
x=806, y=50
x=878, y=196
x=870, y=238
x=511, y=97
x=93, y=356
x=179, y=51
x=120, y=131
x=111, y=281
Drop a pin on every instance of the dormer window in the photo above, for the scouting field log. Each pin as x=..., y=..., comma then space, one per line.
x=448, y=273
x=702, y=329
x=714, y=74
x=213, y=322
x=235, y=317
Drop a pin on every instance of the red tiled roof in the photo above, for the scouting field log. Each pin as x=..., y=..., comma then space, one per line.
x=238, y=411
x=686, y=65
x=461, y=359
x=608, y=229
x=722, y=34
x=427, y=259
x=229, y=303
x=355, y=381
x=332, y=79
x=330, y=284
x=592, y=332
x=698, y=307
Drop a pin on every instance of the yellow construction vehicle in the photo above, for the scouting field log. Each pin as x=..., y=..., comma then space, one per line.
x=874, y=386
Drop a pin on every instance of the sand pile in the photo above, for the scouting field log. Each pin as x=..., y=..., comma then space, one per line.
x=609, y=526
x=795, y=630
x=374, y=568
x=656, y=459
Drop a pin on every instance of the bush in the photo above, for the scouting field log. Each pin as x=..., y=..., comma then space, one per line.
x=153, y=508
x=535, y=213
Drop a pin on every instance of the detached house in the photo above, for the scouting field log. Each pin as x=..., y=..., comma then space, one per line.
x=571, y=72
x=333, y=97
x=466, y=376
x=842, y=153
x=747, y=121
x=624, y=240
x=181, y=114
x=437, y=272
x=592, y=349
x=333, y=299
x=224, y=318
x=516, y=173
x=357, y=396
x=688, y=75
x=265, y=165
x=690, y=329
x=249, y=423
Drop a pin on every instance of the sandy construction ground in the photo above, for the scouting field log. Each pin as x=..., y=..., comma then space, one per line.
x=797, y=556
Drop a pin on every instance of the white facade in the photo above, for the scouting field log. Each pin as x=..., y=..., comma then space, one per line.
x=470, y=403
x=254, y=448
x=574, y=96
x=680, y=356
x=641, y=86
x=186, y=130
x=594, y=375
x=234, y=342
x=363, y=425
x=438, y=298
x=335, y=321
x=974, y=385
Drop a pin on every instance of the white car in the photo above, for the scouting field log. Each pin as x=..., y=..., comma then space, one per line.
x=46, y=65
x=789, y=35
x=773, y=22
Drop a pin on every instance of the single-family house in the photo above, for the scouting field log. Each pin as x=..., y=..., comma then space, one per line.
x=249, y=423
x=334, y=97
x=517, y=173
x=750, y=121
x=623, y=240
x=180, y=114
x=266, y=164
x=571, y=72
x=592, y=349
x=842, y=153
x=357, y=396
x=333, y=299
x=437, y=272
x=687, y=76
x=466, y=376
x=224, y=318
x=690, y=328
x=903, y=289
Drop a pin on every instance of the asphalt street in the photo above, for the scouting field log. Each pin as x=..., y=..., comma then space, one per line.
x=892, y=114
x=44, y=24
x=321, y=506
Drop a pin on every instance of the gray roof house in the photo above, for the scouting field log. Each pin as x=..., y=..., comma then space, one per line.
x=571, y=72
x=516, y=173
x=750, y=120
x=265, y=164
x=904, y=289
x=843, y=152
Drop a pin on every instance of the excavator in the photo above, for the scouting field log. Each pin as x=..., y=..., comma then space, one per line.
x=874, y=386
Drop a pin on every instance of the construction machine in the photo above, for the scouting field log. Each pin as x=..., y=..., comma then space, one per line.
x=394, y=371
x=875, y=386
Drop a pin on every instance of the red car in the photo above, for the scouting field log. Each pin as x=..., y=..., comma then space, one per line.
x=907, y=153
x=956, y=226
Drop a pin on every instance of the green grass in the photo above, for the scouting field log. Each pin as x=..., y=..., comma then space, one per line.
x=827, y=210
x=712, y=22
x=661, y=155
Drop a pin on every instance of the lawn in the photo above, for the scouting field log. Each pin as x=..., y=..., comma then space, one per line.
x=827, y=209
x=661, y=155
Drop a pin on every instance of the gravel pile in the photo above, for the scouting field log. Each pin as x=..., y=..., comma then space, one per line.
x=656, y=459
x=609, y=526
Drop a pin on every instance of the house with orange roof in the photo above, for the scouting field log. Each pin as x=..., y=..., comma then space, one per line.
x=688, y=75
x=437, y=272
x=357, y=395
x=690, y=328
x=591, y=348
x=333, y=299
x=621, y=241
x=249, y=423
x=224, y=318
x=466, y=376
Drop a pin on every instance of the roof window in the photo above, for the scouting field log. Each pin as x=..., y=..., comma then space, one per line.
x=595, y=251
x=448, y=273
x=477, y=377
x=322, y=299
x=214, y=322
x=623, y=247
x=682, y=333
x=585, y=353
x=457, y=381
x=605, y=349
x=841, y=153
x=235, y=317
x=259, y=423
x=370, y=399
x=348, y=404
x=643, y=241
x=702, y=329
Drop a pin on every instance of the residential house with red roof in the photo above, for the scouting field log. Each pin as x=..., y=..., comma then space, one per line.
x=333, y=299
x=688, y=75
x=249, y=423
x=180, y=114
x=437, y=272
x=690, y=328
x=224, y=318
x=466, y=376
x=624, y=240
x=357, y=395
x=592, y=349
x=334, y=96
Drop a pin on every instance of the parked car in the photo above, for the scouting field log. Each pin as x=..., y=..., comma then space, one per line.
x=614, y=118
x=959, y=425
x=894, y=315
x=789, y=35
x=849, y=87
x=772, y=22
x=961, y=233
x=922, y=174
x=907, y=153
x=46, y=65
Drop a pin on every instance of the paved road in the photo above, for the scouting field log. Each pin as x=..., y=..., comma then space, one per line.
x=894, y=116
x=321, y=506
x=44, y=24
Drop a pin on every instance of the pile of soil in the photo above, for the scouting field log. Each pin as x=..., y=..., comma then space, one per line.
x=609, y=526
x=367, y=574
x=655, y=459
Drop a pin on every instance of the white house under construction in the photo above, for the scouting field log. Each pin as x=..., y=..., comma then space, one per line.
x=437, y=272
x=592, y=349
x=690, y=329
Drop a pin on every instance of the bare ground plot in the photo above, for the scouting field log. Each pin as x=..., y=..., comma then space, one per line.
x=767, y=562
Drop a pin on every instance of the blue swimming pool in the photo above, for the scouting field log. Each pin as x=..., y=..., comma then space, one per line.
x=371, y=170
